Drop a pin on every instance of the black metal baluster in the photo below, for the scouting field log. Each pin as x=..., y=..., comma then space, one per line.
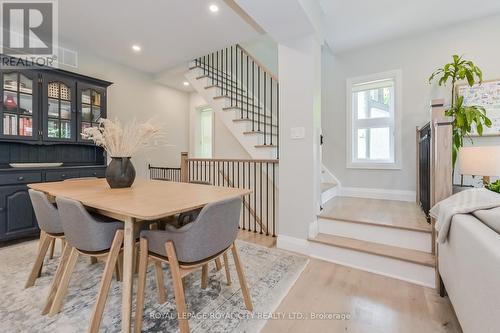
x=267, y=198
x=265, y=108
x=241, y=83
x=255, y=192
x=274, y=202
x=277, y=120
x=260, y=191
x=253, y=96
x=244, y=198
x=231, y=76
x=249, y=196
x=242, y=91
x=271, y=108
x=258, y=99
x=236, y=65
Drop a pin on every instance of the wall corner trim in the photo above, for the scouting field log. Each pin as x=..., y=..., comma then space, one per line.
x=378, y=193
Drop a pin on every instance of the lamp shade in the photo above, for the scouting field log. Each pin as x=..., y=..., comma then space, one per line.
x=479, y=161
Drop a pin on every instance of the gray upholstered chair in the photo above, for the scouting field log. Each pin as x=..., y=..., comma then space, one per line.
x=210, y=236
x=89, y=235
x=50, y=230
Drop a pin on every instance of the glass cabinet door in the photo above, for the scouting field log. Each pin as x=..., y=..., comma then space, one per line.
x=91, y=106
x=59, y=109
x=18, y=109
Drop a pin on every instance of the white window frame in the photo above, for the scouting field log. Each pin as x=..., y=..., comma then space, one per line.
x=198, y=133
x=351, y=156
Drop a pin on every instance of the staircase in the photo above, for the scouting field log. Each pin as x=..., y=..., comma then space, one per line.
x=386, y=237
x=243, y=94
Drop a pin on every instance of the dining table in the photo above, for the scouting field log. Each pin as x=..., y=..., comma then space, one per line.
x=146, y=200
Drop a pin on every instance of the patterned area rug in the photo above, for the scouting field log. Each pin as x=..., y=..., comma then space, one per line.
x=219, y=308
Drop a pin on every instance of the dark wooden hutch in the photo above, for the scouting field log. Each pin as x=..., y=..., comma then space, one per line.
x=42, y=113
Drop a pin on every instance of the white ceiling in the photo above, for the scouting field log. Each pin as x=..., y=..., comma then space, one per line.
x=170, y=32
x=356, y=23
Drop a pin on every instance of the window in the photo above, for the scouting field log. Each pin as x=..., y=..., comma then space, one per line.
x=205, y=133
x=373, y=105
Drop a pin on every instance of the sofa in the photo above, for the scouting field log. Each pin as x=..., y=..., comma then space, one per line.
x=469, y=266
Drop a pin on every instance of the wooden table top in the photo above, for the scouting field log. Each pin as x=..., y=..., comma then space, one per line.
x=145, y=200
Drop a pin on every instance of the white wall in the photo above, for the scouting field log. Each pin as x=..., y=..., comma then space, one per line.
x=265, y=49
x=417, y=56
x=134, y=94
x=225, y=145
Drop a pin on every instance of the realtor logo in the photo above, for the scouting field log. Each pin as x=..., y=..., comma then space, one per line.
x=29, y=29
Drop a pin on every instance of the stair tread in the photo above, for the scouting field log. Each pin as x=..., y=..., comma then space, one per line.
x=386, y=213
x=394, y=252
x=251, y=113
x=256, y=121
x=266, y=146
x=259, y=132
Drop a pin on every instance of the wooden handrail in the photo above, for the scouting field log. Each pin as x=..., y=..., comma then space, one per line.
x=260, y=64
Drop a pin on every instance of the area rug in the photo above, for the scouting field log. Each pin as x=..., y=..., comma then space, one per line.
x=219, y=308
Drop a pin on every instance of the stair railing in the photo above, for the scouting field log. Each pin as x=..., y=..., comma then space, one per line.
x=250, y=87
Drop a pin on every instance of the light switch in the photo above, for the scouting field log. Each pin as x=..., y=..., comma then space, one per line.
x=298, y=132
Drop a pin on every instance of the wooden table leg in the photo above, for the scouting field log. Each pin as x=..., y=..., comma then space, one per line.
x=127, y=285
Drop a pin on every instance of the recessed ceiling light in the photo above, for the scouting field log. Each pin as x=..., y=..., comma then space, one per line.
x=214, y=8
x=185, y=83
x=136, y=48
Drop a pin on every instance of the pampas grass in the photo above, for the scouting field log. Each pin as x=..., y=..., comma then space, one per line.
x=121, y=141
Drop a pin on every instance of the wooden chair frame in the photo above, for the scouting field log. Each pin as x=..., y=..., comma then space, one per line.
x=65, y=269
x=46, y=241
x=179, y=271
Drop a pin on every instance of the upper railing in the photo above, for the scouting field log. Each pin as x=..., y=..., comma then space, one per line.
x=250, y=87
x=260, y=207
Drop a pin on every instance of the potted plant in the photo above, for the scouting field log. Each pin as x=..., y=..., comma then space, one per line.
x=464, y=117
x=121, y=143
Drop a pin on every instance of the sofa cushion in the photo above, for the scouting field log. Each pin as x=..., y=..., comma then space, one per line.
x=490, y=217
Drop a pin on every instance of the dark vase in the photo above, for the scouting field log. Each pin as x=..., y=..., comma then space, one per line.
x=120, y=173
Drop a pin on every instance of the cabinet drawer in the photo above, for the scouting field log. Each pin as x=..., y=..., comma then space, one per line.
x=99, y=173
x=20, y=178
x=55, y=176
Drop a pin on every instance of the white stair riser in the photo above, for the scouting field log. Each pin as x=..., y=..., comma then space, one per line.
x=398, y=269
x=408, y=239
x=329, y=194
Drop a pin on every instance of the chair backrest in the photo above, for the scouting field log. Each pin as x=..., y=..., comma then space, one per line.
x=213, y=231
x=83, y=230
x=45, y=212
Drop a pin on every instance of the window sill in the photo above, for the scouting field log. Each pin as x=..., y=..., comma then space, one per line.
x=374, y=166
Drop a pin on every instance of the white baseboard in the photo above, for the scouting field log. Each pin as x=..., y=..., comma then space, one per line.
x=378, y=193
x=293, y=244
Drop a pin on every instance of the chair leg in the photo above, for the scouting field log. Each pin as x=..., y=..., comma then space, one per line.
x=178, y=288
x=52, y=247
x=218, y=264
x=136, y=260
x=160, y=282
x=57, y=278
x=107, y=276
x=226, y=267
x=141, y=285
x=37, y=266
x=204, y=276
x=63, y=286
x=241, y=278
x=119, y=268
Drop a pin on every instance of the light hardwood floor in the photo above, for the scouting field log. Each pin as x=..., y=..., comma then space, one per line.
x=374, y=302
x=400, y=214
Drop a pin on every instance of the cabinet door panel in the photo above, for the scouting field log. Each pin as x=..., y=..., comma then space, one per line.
x=19, y=106
x=17, y=216
x=91, y=106
x=58, y=107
